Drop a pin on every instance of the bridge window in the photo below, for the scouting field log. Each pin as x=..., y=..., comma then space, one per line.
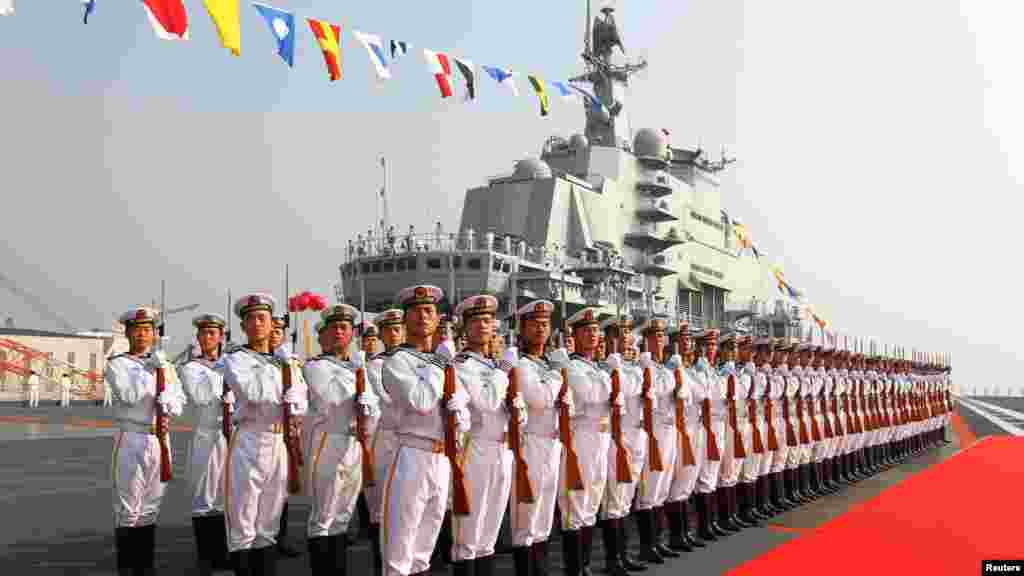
x=388, y=266
x=434, y=263
x=411, y=263
x=474, y=264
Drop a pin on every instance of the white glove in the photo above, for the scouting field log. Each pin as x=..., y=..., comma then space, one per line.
x=292, y=396
x=446, y=349
x=458, y=401
x=683, y=393
x=229, y=398
x=676, y=361
x=519, y=405
x=156, y=360
x=650, y=394
x=615, y=361
x=283, y=352
x=566, y=400
x=646, y=361
x=463, y=422
x=358, y=359
x=509, y=359
x=559, y=357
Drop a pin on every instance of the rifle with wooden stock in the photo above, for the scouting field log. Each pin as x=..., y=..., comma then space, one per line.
x=653, y=451
x=523, y=489
x=688, y=457
x=756, y=442
x=166, y=472
x=460, y=492
x=225, y=408
x=714, y=455
x=363, y=429
x=800, y=416
x=739, y=451
x=288, y=421
x=622, y=472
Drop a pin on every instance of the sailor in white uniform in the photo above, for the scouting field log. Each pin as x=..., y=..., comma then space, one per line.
x=487, y=459
x=618, y=496
x=592, y=389
x=540, y=383
x=385, y=441
x=748, y=399
x=65, y=390
x=709, y=389
x=657, y=488
x=769, y=411
x=420, y=478
x=138, y=489
x=33, y=389
x=203, y=381
x=785, y=415
x=334, y=474
x=256, y=482
x=733, y=454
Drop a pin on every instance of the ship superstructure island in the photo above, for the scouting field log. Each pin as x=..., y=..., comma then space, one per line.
x=608, y=218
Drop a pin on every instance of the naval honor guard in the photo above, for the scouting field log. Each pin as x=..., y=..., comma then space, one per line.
x=259, y=456
x=486, y=457
x=385, y=441
x=334, y=477
x=619, y=495
x=203, y=380
x=540, y=383
x=141, y=439
x=592, y=388
x=420, y=477
x=277, y=338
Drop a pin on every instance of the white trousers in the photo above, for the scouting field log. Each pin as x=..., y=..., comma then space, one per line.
x=65, y=397
x=207, y=451
x=415, y=499
x=135, y=471
x=769, y=456
x=731, y=465
x=385, y=445
x=780, y=459
x=654, y=487
x=685, y=480
x=579, y=507
x=256, y=482
x=333, y=481
x=33, y=398
x=618, y=496
x=488, y=466
x=752, y=463
x=707, y=481
x=531, y=523
x=108, y=397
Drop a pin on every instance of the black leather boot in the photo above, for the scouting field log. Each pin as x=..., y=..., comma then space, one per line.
x=204, y=560
x=319, y=554
x=612, y=560
x=339, y=554
x=373, y=531
x=283, y=546
x=622, y=532
x=704, y=518
x=645, y=526
x=715, y=512
x=266, y=561
x=660, y=527
x=484, y=566
x=725, y=512
x=522, y=561
x=241, y=562
x=571, y=552
x=125, y=543
x=586, y=549
x=746, y=497
x=539, y=558
x=463, y=567
x=146, y=558
x=676, y=531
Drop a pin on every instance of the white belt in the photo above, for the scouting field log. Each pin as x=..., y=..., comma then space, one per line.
x=137, y=427
x=420, y=443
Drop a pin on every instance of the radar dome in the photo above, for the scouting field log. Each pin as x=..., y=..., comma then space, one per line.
x=650, y=143
x=578, y=142
x=533, y=168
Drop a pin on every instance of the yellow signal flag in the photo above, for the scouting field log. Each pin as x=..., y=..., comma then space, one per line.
x=225, y=15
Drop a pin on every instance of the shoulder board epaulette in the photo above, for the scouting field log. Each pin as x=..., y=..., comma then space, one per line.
x=121, y=355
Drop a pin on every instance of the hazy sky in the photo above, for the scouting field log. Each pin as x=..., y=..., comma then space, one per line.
x=880, y=148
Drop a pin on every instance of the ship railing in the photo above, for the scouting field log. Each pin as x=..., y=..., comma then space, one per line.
x=392, y=244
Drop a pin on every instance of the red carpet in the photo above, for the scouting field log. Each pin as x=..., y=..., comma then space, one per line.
x=944, y=520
